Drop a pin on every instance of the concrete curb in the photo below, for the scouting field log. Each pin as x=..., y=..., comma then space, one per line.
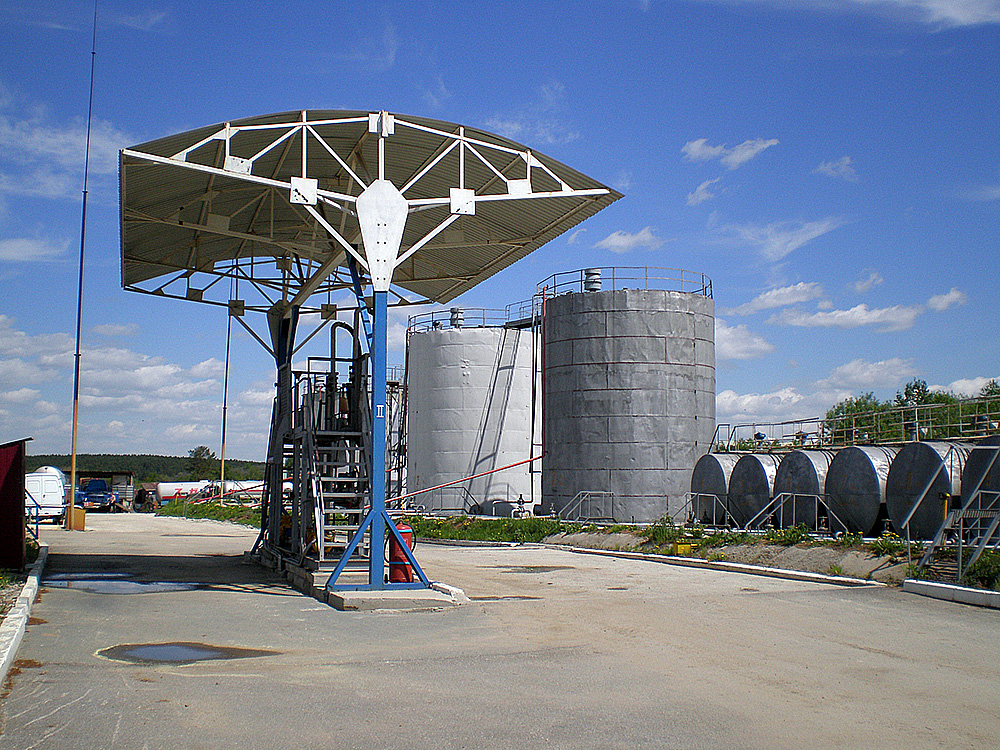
x=468, y=543
x=756, y=570
x=12, y=629
x=951, y=593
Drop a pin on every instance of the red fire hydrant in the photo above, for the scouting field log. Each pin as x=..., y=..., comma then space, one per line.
x=400, y=570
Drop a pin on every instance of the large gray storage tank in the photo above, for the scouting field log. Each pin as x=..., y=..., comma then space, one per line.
x=931, y=466
x=751, y=485
x=982, y=471
x=469, y=402
x=629, y=384
x=710, y=487
x=802, y=474
x=855, y=485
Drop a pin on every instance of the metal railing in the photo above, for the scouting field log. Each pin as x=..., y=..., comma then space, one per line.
x=693, y=510
x=788, y=509
x=456, y=317
x=584, y=504
x=968, y=418
x=975, y=524
x=38, y=513
x=614, y=278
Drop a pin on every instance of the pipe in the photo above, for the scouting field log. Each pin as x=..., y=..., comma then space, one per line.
x=464, y=479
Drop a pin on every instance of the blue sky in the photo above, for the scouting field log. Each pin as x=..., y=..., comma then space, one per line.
x=832, y=165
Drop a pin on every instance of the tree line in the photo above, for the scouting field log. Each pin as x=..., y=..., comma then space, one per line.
x=200, y=463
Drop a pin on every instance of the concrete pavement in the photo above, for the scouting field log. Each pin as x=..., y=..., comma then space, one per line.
x=556, y=650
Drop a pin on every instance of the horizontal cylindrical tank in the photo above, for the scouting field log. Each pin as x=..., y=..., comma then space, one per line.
x=469, y=410
x=751, y=485
x=855, y=486
x=710, y=487
x=629, y=383
x=931, y=470
x=982, y=470
x=802, y=475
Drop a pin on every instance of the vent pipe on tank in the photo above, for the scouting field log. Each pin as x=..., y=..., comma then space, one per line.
x=592, y=280
x=457, y=317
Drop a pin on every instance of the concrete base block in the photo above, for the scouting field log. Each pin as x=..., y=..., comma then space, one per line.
x=370, y=601
x=951, y=593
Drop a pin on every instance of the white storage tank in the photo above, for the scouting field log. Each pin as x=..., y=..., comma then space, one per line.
x=469, y=410
x=928, y=473
x=629, y=383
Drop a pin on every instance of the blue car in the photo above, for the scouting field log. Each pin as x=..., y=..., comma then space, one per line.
x=94, y=494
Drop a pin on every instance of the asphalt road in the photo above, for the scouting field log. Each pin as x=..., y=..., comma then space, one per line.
x=556, y=650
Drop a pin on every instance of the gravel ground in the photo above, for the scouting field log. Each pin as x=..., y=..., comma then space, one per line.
x=10, y=591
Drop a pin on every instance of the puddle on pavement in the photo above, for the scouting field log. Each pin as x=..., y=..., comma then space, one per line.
x=114, y=583
x=180, y=652
x=531, y=568
x=509, y=598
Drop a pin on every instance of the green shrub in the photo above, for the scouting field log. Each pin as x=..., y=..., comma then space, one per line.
x=985, y=571
x=888, y=545
x=847, y=541
x=788, y=537
x=242, y=514
x=662, y=532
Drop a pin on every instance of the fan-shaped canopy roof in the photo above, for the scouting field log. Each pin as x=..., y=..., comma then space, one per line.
x=271, y=200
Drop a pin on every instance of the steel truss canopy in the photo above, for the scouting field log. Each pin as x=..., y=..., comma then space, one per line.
x=282, y=204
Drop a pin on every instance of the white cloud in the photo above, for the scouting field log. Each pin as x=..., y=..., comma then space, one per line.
x=937, y=14
x=775, y=241
x=540, y=120
x=944, y=13
x=146, y=21
x=702, y=193
x=966, y=386
x=575, y=236
x=20, y=396
x=210, y=368
x=984, y=193
x=873, y=279
x=376, y=53
x=896, y=318
x=804, y=291
x=941, y=302
x=22, y=249
x=735, y=157
x=737, y=342
x=842, y=168
x=859, y=374
x=622, y=181
x=624, y=242
x=115, y=329
x=699, y=150
x=437, y=94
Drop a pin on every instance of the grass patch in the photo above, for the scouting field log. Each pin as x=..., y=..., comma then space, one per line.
x=888, y=545
x=985, y=571
x=241, y=514
x=488, y=529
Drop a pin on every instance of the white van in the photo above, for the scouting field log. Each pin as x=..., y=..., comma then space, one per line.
x=45, y=494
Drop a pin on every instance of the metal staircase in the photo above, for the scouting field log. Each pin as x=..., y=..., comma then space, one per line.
x=968, y=530
x=333, y=439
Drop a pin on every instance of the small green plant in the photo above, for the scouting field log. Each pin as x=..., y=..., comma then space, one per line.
x=716, y=555
x=725, y=538
x=662, y=532
x=888, y=545
x=985, y=571
x=835, y=570
x=242, y=514
x=848, y=540
x=788, y=537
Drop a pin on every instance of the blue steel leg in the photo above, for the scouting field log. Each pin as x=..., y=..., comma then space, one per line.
x=376, y=572
x=377, y=520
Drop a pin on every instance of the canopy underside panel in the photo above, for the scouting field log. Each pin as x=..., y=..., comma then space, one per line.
x=221, y=201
